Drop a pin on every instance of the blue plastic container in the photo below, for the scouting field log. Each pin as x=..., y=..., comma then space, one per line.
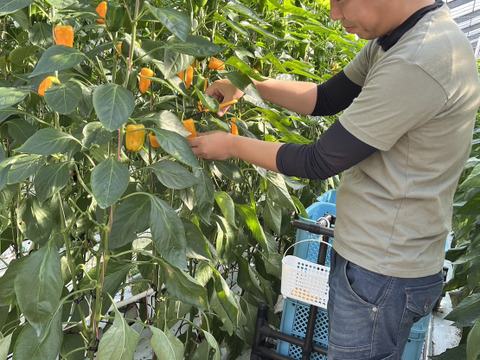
x=416, y=339
x=295, y=313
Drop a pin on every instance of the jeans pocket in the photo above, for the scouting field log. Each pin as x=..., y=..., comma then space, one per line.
x=369, y=287
x=421, y=299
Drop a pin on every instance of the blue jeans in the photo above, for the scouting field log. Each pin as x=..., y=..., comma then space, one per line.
x=371, y=315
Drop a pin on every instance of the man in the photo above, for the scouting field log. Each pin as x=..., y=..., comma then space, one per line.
x=410, y=98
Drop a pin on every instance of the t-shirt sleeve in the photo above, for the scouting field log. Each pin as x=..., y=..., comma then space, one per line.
x=395, y=99
x=336, y=151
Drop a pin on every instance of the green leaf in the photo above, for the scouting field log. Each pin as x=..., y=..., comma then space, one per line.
x=7, y=281
x=20, y=130
x=50, y=180
x=119, y=342
x=242, y=9
x=226, y=205
x=466, y=312
x=48, y=141
x=63, y=98
x=227, y=298
x=23, y=166
x=473, y=340
x=184, y=287
x=56, y=58
x=173, y=175
x=10, y=96
x=204, y=194
x=208, y=101
x=168, y=233
x=250, y=218
x=175, y=62
x=243, y=67
x=62, y=4
x=213, y=344
x=109, y=181
x=130, y=217
x=45, y=346
x=94, y=133
x=272, y=215
x=35, y=220
x=194, y=45
x=5, y=346
x=228, y=169
x=177, y=146
x=38, y=287
x=260, y=30
x=41, y=34
x=9, y=6
x=162, y=346
x=113, y=105
x=278, y=191
x=177, y=22
x=472, y=180
x=18, y=55
x=197, y=244
x=243, y=82
x=226, y=241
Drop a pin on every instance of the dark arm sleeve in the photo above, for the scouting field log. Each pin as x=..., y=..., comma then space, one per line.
x=335, y=95
x=336, y=151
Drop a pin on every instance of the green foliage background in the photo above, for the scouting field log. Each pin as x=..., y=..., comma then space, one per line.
x=206, y=238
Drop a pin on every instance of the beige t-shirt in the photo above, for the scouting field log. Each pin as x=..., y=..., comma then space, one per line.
x=417, y=106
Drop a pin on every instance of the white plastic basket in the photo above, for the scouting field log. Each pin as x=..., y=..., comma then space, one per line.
x=304, y=280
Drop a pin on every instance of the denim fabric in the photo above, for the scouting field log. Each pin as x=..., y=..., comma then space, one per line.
x=371, y=315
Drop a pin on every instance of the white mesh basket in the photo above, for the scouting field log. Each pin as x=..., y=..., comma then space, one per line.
x=304, y=280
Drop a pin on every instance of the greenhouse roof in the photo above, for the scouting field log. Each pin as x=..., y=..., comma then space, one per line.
x=466, y=13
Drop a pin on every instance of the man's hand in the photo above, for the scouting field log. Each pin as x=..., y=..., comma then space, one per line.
x=224, y=91
x=215, y=145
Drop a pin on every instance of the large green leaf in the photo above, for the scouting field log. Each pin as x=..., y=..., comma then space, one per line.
x=227, y=169
x=175, y=62
x=5, y=346
x=243, y=82
x=250, y=218
x=184, y=287
x=204, y=194
x=24, y=166
x=226, y=241
x=243, y=67
x=466, y=312
x=7, y=281
x=177, y=146
x=64, y=98
x=38, y=287
x=109, y=181
x=197, y=244
x=227, y=298
x=119, y=342
x=278, y=191
x=95, y=133
x=473, y=341
x=18, y=55
x=45, y=346
x=9, y=6
x=113, y=105
x=472, y=180
x=50, y=180
x=226, y=205
x=161, y=345
x=168, y=233
x=62, y=4
x=56, y=58
x=177, y=22
x=10, y=96
x=20, y=130
x=173, y=175
x=35, y=220
x=130, y=217
x=194, y=45
x=48, y=141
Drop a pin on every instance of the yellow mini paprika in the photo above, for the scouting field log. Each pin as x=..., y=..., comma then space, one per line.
x=189, y=78
x=64, y=35
x=102, y=11
x=153, y=140
x=216, y=64
x=46, y=83
x=134, y=137
x=190, y=126
x=234, y=127
x=145, y=83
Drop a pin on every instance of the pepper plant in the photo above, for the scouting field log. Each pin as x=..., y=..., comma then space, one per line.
x=88, y=220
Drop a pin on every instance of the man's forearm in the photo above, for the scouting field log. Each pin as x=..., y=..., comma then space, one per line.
x=296, y=96
x=257, y=152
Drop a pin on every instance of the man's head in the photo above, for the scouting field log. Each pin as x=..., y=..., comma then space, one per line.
x=370, y=19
